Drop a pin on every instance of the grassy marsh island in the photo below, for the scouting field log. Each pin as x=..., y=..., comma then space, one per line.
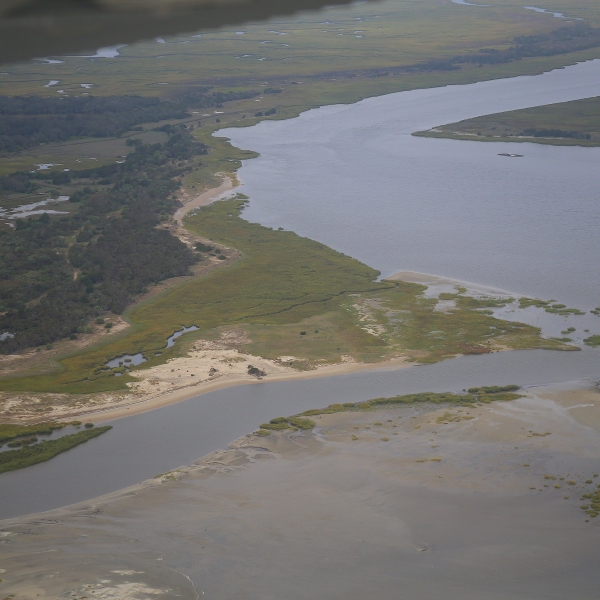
x=41, y=451
x=575, y=123
x=475, y=396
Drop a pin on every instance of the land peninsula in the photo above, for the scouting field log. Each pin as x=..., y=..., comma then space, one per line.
x=575, y=123
x=279, y=305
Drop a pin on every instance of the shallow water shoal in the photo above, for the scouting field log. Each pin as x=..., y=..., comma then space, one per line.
x=143, y=446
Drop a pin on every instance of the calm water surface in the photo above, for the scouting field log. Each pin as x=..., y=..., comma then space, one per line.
x=353, y=178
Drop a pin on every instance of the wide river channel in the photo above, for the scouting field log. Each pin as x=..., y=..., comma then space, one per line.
x=354, y=178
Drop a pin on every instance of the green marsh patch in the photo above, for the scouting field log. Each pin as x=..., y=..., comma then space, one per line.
x=575, y=123
x=283, y=285
x=484, y=395
x=28, y=455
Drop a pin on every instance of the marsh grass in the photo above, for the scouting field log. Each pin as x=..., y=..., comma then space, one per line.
x=578, y=117
x=302, y=422
x=593, y=341
x=10, y=432
x=26, y=456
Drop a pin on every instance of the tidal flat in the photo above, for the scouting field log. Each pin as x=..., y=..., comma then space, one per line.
x=465, y=501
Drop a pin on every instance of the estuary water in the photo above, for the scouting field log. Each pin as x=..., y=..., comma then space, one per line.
x=355, y=179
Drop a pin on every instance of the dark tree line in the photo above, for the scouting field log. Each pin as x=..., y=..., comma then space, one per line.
x=570, y=38
x=117, y=250
x=27, y=121
x=558, y=133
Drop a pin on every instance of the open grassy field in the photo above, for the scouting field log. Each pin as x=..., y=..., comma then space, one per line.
x=322, y=50
x=285, y=285
x=575, y=123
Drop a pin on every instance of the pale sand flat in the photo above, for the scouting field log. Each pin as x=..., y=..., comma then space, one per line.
x=437, y=511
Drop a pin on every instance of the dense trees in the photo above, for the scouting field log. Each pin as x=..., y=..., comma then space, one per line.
x=58, y=273
x=27, y=121
x=571, y=38
x=558, y=133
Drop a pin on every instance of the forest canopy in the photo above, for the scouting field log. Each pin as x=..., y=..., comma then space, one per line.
x=27, y=121
x=58, y=273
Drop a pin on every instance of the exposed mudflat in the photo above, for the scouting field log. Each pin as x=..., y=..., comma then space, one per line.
x=427, y=501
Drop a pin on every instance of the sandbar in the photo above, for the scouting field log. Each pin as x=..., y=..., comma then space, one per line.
x=417, y=501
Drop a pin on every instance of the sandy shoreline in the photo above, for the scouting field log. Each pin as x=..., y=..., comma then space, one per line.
x=439, y=501
x=141, y=405
x=227, y=185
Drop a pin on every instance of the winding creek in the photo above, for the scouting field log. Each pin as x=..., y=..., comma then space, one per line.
x=355, y=179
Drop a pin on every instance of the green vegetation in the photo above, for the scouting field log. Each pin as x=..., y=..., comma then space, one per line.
x=11, y=460
x=593, y=508
x=282, y=285
x=106, y=251
x=10, y=432
x=366, y=49
x=549, y=307
x=493, y=389
x=484, y=395
x=575, y=123
x=593, y=341
x=286, y=423
x=58, y=274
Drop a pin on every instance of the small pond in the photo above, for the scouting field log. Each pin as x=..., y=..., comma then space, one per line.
x=129, y=360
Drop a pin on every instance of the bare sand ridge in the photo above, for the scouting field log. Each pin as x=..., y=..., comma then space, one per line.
x=191, y=203
x=192, y=375
x=414, y=502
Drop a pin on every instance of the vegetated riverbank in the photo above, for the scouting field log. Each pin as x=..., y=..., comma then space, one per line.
x=397, y=486
x=301, y=303
x=575, y=123
x=288, y=338
x=33, y=452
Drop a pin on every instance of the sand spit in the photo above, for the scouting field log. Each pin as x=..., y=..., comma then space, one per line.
x=210, y=366
x=414, y=501
x=190, y=203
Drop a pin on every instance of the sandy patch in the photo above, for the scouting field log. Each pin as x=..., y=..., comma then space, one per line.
x=191, y=202
x=192, y=375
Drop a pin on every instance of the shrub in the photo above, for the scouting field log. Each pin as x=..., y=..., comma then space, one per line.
x=301, y=423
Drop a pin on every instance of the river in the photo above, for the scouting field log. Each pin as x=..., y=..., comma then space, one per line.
x=354, y=178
